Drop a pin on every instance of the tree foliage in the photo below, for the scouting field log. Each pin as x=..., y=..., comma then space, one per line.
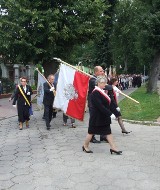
x=135, y=38
x=39, y=30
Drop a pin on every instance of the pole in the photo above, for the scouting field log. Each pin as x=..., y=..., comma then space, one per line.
x=54, y=92
x=91, y=76
x=72, y=67
x=129, y=97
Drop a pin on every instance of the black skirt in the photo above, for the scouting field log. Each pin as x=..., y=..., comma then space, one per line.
x=23, y=113
x=116, y=113
x=100, y=130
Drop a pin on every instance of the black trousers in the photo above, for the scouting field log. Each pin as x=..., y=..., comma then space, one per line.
x=48, y=111
x=65, y=118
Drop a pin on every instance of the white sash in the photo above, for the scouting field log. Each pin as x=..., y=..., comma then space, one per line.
x=103, y=93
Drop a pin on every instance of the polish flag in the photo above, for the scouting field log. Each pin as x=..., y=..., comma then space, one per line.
x=40, y=91
x=71, y=92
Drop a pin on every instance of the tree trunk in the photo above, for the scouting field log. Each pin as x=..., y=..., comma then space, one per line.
x=125, y=65
x=154, y=73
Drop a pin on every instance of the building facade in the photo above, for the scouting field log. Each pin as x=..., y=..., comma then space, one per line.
x=14, y=72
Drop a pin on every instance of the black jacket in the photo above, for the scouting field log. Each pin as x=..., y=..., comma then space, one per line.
x=99, y=110
x=48, y=95
x=92, y=84
x=19, y=97
x=110, y=92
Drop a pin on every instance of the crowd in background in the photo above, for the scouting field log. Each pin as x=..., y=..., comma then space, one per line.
x=128, y=80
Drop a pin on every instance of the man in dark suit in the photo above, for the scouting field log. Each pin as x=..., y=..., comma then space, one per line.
x=48, y=100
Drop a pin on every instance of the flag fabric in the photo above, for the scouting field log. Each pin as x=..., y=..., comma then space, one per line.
x=71, y=93
x=40, y=91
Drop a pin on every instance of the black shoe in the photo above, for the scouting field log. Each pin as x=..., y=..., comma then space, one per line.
x=116, y=152
x=126, y=132
x=48, y=127
x=94, y=140
x=87, y=151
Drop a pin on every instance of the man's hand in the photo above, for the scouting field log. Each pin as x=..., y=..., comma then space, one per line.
x=52, y=88
x=113, y=117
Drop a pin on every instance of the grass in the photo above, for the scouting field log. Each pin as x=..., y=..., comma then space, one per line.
x=147, y=110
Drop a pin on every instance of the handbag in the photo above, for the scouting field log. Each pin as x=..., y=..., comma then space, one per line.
x=30, y=110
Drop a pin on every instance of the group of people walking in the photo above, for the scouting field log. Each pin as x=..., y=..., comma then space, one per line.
x=102, y=104
x=103, y=107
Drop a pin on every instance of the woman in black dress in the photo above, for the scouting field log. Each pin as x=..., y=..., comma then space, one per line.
x=100, y=116
x=114, y=93
x=23, y=105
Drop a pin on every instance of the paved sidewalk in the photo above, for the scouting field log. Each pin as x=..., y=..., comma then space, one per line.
x=37, y=159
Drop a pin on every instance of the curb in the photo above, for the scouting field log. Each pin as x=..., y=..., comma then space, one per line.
x=150, y=123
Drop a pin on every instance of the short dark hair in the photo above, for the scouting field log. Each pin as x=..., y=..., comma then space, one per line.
x=112, y=80
x=25, y=78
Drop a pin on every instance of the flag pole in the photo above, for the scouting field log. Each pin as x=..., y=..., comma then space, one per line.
x=45, y=80
x=59, y=60
x=129, y=97
x=34, y=97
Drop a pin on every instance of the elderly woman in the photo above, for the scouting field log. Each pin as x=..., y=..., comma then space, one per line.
x=100, y=116
x=23, y=98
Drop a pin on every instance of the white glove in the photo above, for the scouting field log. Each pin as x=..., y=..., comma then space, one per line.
x=52, y=88
x=113, y=116
x=28, y=93
x=14, y=106
x=118, y=109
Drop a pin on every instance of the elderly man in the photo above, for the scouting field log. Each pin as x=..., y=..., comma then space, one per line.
x=48, y=100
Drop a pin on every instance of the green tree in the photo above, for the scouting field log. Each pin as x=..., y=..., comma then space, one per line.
x=135, y=37
x=148, y=40
x=38, y=30
x=104, y=55
x=123, y=37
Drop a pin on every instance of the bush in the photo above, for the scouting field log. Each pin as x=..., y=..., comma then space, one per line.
x=34, y=87
x=7, y=85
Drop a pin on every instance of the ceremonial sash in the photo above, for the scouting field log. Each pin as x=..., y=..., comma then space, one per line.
x=24, y=95
x=103, y=93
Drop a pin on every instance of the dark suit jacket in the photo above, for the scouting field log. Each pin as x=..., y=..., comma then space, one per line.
x=19, y=97
x=48, y=95
x=92, y=84
x=99, y=110
x=113, y=104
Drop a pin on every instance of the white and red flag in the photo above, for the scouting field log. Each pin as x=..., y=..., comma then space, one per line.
x=40, y=91
x=71, y=93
